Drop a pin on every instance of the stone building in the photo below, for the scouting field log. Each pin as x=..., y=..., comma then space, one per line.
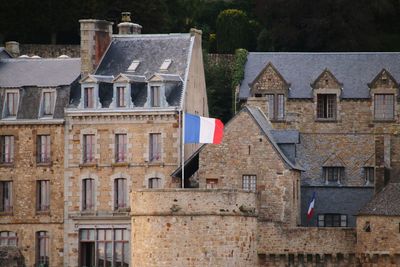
x=33, y=94
x=122, y=131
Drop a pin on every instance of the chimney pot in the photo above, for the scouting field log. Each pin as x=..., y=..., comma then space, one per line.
x=126, y=26
x=126, y=17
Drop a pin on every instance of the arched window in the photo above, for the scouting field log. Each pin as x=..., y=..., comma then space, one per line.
x=88, y=196
x=8, y=238
x=155, y=182
x=120, y=194
x=42, y=249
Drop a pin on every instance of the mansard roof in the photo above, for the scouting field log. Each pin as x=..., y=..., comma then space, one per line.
x=49, y=72
x=150, y=50
x=354, y=70
x=385, y=203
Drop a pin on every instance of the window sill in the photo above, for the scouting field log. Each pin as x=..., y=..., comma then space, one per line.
x=89, y=164
x=383, y=121
x=88, y=212
x=277, y=121
x=44, y=164
x=43, y=212
x=120, y=164
x=325, y=120
x=7, y=165
x=121, y=210
x=155, y=163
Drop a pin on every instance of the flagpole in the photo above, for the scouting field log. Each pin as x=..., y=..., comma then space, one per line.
x=183, y=148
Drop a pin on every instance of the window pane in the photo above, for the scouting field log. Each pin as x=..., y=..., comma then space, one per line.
x=121, y=97
x=281, y=107
x=384, y=106
x=88, y=148
x=155, y=96
x=48, y=103
x=11, y=104
x=271, y=105
x=88, y=97
x=121, y=147
x=155, y=147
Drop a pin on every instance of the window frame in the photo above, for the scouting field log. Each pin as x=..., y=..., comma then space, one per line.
x=9, y=239
x=15, y=104
x=42, y=236
x=337, y=171
x=121, y=149
x=154, y=183
x=155, y=147
x=89, y=148
x=120, y=98
x=88, y=194
x=88, y=99
x=6, y=197
x=276, y=111
x=369, y=175
x=43, y=195
x=376, y=103
x=155, y=96
x=43, y=150
x=324, y=109
x=7, y=149
x=44, y=112
x=335, y=220
x=121, y=188
x=249, y=182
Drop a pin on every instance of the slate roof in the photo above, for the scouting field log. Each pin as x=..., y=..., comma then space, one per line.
x=47, y=72
x=266, y=128
x=4, y=53
x=354, y=70
x=386, y=202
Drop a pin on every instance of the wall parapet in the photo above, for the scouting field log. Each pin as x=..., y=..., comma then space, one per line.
x=193, y=202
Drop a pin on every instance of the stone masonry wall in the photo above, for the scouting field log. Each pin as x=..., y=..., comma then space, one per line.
x=251, y=153
x=185, y=228
x=24, y=173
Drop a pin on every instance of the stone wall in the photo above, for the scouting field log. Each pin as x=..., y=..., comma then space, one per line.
x=11, y=257
x=49, y=51
x=193, y=228
x=24, y=220
x=250, y=152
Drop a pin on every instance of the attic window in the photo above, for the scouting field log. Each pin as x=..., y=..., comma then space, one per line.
x=11, y=104
x=134, y=65
x=165, y=65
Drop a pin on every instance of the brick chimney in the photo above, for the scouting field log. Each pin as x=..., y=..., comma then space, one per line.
x=95, y=38
x=126, y=26
x=12, y=47
x=382, y=162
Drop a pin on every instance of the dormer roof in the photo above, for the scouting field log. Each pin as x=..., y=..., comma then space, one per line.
x=160, y=77
x=327, y=75
x=383, y=74
x=97, y=79
x=129, y=78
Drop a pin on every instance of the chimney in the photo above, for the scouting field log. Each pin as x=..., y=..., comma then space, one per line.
x=12, y=47
x=126, y=26
x=382, y=170
x=95, y=38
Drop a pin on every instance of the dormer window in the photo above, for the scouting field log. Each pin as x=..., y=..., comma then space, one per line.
x=326, y=106
x=11, y=104
x=165, y=65
x=155, y=96
x=384, y=106
x=89, y=97
x=134, y=65
x=121, y=97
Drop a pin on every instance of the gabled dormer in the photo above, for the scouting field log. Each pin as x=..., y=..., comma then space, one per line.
x=384, y=92
x=10, y=103
x=47, y=103
x=158, y=88
x=333, y=170
x=270, y=84
x=122, y=92
x=90, y=88
x=327, y=90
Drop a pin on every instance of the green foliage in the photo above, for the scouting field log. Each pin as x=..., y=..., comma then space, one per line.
x=238, y=73
x=232, y=30
x=264, y=41
x=219, y=90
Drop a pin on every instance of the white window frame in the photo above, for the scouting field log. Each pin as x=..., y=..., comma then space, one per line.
x=7, y=149
x=5, y=106
x=42, y=114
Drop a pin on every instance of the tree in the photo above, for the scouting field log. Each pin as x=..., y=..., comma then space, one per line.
x=232, y=30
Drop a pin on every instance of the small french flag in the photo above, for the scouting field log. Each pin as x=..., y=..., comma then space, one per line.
x=202, y=130
x=310, y=211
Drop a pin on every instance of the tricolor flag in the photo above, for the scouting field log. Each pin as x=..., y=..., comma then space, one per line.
x=310, y=211
x=202, y=130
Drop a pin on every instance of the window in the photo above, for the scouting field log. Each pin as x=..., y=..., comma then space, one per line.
x=89, y=97
x=7, y=149
x=43, y=149
x=155, y=96
x=276, y=106
x=384, y=106
x=120, y=147
x=326, y=106
x=332, y=220
x=333, y=174
x=88, y=148
x=367, y=227
x=249, y=182
x=88, y=194
x=8, y=238
x=48, y=103
x=43, y=195
x=369, y=175
x=155, y=147
x=211, y=183
x=154, y=183
x=165, y=65
x=120, y=194
x=109, y=247
x=42, y=249
x=6, y=196
x=121, y=97
x=11, y=104
x=134, y=65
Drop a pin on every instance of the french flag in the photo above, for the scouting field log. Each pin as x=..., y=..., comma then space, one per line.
x=202, y=130
x=310, y=211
